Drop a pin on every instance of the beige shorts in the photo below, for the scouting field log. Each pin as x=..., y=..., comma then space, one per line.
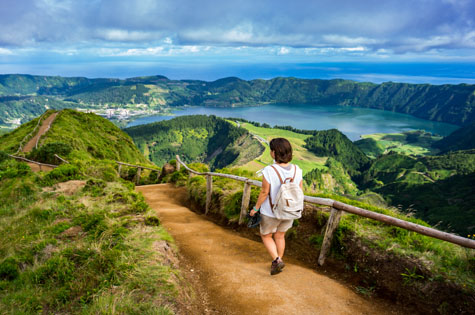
x=272, y=225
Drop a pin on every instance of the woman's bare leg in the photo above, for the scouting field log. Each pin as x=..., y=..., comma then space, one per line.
x=270, y=245
x=280, y=243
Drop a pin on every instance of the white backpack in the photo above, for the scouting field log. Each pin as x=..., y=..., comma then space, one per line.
x=289, y=200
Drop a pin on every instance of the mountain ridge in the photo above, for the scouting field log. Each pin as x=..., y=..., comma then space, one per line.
x=445, y=103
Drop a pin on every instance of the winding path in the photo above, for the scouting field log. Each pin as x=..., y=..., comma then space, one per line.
x=235, y=270
x=45, y=125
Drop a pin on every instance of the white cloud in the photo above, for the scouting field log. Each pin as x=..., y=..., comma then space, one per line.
x=283, y=51
x=359, y=48
x=122, y=35
x=4, y=51
x=341, y=40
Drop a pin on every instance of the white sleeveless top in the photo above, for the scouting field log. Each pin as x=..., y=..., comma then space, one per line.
x=273, y=179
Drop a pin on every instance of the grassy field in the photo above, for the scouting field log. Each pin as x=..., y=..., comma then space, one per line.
x=302, y=157
x=411, y=142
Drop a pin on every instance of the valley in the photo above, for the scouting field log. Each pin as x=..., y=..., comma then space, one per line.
x=25, y=96
x=90, y=199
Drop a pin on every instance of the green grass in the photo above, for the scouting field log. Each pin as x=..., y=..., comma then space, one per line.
x=9, y=142
x=305, y=159
x=411, y=142
x=92, y=250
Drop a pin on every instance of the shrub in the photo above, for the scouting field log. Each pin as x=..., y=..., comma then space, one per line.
x=45, y=153
x=152, y=221
x=95, y=187
x=3, y=156
x=13, y=169
x=62, y=173
x=9, y=269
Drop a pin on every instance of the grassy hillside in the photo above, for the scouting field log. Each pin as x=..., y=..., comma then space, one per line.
x=438, y=189
x=415, y=142
x=462, y=139
x=196, y=138
x=334, y=180
x=79, y=239
x=302, y=156
x=335, y=144
x=447, y=103
x=23, y=108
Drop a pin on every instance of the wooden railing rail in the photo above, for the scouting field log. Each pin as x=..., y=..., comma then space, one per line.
x=28, y=135
x=49, y=126
x=336, y=211
x=61, y=159
x=139, y=170
x=31, y=161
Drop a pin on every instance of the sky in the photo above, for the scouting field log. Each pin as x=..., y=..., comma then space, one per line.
x=415, y=41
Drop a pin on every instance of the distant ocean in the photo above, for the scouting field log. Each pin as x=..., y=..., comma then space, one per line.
x=377, y=72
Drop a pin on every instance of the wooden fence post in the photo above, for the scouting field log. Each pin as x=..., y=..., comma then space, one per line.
x=177, y=164
x=209, y=191
x=246, y=198
x=139, y=171
x=120, y=168
x=332, y=224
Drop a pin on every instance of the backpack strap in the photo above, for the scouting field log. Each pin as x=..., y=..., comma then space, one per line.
x=281, y=182
x=270, y=200
x=295, y=173
x=280, y=178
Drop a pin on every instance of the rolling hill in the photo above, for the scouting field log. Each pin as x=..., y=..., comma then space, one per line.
x=446, y=103
x=197, y=139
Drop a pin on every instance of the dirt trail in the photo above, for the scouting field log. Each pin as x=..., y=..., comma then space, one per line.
x=235, y=270
x=43, y=129
x=32, y=143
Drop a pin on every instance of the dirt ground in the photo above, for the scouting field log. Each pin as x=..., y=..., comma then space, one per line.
x=233, y=271
x=43, y=129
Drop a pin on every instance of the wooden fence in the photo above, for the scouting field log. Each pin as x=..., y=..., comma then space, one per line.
x=337, y=208
x=31, y=161
x=139, y=170
x=20, y=147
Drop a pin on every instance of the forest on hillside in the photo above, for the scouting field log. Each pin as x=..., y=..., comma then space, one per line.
x=445, y=103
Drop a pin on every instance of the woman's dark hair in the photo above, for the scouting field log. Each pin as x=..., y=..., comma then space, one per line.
x=282, y=150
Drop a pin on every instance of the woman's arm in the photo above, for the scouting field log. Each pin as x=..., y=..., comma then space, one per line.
x=265, y=189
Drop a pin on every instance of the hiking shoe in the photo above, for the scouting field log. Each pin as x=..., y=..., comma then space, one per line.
x=276, y=266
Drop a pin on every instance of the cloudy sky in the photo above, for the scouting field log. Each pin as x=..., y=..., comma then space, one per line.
x=375, y=40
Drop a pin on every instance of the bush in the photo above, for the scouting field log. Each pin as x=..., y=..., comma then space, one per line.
x=95, y=187
x=152, y=221
x=62, y=173
x=45, y=153
x=9, y=269
x=3, y=156
x=13, y=169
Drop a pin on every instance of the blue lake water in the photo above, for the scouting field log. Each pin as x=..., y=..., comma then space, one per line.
x=352, y=121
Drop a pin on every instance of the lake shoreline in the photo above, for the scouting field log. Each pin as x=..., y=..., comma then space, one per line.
x=354, y=122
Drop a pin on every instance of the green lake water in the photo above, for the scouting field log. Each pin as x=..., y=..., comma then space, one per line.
x=352, y=121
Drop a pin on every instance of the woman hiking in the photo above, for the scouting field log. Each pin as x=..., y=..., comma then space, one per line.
x=273, y=229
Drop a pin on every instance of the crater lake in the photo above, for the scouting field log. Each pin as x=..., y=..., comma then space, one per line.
x=352, y=121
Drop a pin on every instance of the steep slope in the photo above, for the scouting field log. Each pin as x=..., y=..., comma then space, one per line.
x=24, y=108
x=89, y=136
x=78, y=239
x=335, y=144
x=437, y=189
x=334, y=180
x=461, y=139
x=198, y=139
